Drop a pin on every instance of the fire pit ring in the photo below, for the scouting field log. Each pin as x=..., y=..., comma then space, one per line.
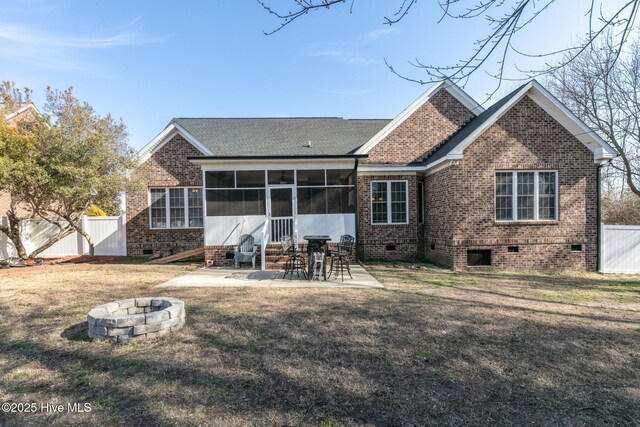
x=136, y=318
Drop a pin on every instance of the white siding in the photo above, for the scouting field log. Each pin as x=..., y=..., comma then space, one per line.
x=334, y=225
x=620, y=249
x=226, y=230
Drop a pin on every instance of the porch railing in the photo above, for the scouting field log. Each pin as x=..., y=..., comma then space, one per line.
x=263, y=246
x=281, y=227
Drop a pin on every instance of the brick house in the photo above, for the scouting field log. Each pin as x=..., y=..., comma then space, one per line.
x=512, y=186
x=27, y=113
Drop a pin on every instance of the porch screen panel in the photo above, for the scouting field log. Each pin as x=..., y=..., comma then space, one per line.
x=158, y=208
x=379, y=202
x=312, y=201
x=220, y=179
x=311, y=177
x=340, y=200
x=249, y=179
x=235, y=202
x=340, y=177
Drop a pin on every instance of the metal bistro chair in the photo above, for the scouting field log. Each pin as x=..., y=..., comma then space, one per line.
x=245, y=251
x=340, y=257
x=295, y=262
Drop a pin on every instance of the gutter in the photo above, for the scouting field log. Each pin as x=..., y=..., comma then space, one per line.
x=278, y=157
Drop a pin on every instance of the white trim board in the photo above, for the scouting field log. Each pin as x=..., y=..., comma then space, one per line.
x=446, y=84
x=22, y=110
x=165, y=136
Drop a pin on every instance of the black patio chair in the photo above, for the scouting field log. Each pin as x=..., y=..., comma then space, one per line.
x=340, y=257
x=294, y=263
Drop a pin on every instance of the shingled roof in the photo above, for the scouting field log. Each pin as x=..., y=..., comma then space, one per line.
x=331, y=136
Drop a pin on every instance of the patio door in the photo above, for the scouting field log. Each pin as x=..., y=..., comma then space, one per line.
x=281, y=211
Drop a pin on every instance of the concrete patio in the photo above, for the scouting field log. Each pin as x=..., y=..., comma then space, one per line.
x=230, y=277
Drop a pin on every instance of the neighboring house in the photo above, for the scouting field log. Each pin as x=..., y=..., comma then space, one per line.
x=29, y=113
x=513, y=186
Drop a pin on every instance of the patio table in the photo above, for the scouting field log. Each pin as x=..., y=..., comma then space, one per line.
x=317, y=243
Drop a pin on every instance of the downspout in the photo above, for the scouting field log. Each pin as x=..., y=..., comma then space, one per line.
x=599, y=217
x=599, y=220
x=355, y=201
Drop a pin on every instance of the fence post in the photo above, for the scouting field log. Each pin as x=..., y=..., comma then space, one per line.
x=84, y=224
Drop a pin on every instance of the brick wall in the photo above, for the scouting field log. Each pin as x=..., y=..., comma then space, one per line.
x=430, y=125
x=526, y=137
x=168, y=167
x=440, y=194
x=373, y=239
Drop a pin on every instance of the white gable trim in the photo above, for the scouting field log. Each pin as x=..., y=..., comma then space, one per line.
x=165, y=136
x=446, y=84
x=601, y=150
x=22, y=110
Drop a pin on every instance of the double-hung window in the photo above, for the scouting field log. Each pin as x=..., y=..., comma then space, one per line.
x=175, y=207
x=389, y=202
x=526, y=196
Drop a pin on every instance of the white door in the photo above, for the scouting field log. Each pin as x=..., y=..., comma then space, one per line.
x=281, y=211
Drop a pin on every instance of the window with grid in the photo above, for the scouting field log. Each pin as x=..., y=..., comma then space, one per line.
x=176, y=207
x=547, y=195
x=526, y=196
x=379, y=202
x=504, y=196
x=158, y=208
x=389, y=202
x=195, y=207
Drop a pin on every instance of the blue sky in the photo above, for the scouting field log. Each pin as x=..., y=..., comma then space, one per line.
x=149, y=61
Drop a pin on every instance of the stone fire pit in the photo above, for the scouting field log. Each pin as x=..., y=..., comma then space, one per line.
x=135, y=318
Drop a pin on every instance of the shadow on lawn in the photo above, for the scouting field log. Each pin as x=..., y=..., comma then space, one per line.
x=400, y=359
x=77, y=332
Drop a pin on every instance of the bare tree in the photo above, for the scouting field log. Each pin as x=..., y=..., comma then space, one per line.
x=602, y=87
x=506, y=20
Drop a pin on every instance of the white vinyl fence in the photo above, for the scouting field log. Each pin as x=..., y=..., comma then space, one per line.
x=620, y=249
x=107, y=232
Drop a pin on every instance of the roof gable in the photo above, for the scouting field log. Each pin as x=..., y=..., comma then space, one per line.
x=444, y=84
x=454, y=148
x=165, y=136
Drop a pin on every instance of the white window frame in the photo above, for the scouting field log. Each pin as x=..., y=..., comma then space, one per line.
x=168, y=207
x=388, y=201
x=536, y=196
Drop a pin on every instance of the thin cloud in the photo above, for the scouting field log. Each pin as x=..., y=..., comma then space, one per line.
x=49, y=50
x=346, y=56
x=379, y=33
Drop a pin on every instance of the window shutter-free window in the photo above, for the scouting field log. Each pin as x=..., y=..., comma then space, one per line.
x=526, y=196
x=158, y=208
x=389, y=202
x=175, y=207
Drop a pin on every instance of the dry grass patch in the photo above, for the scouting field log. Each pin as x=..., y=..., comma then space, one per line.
x=434, y=347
